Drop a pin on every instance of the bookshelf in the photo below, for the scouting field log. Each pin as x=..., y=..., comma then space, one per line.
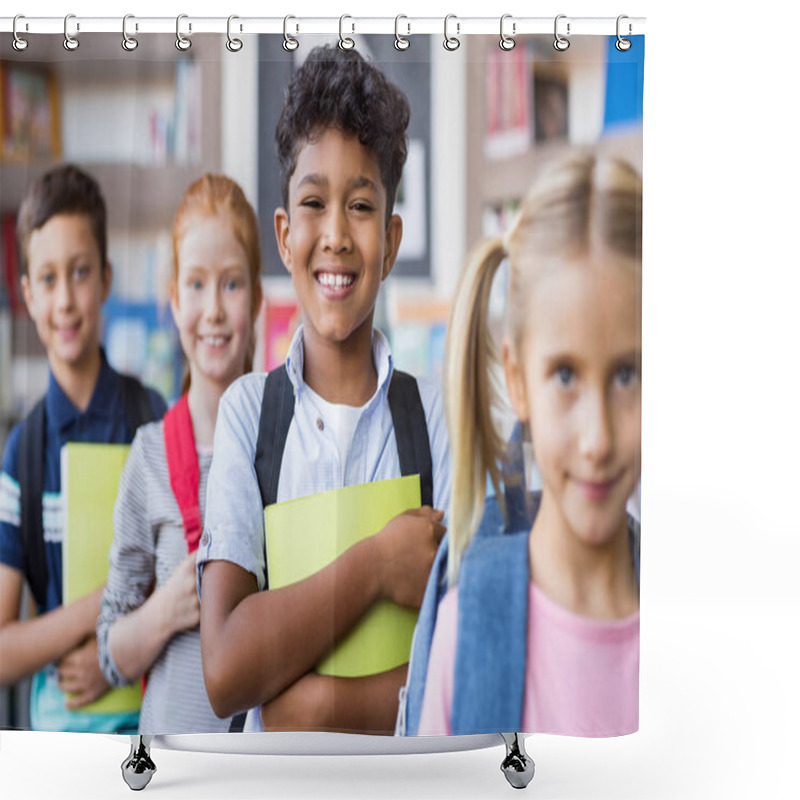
x=524, y=107
x=144, y=123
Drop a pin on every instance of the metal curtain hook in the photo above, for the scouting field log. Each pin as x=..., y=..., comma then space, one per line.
x=507, y=42
x=622, y=44
x=233, y=45
x=289, y=42
x=70, y=42
x=451, y=42
x=181, y=42
x=561, y=43
x=129, y=43
x=345, y=42
x=19, y=44
x=400, y=42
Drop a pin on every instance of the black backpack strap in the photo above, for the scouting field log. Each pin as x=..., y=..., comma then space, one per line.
x=237, y=723
x=30, y=463
x=136, y=402
x=411, y=432
x=277, y=410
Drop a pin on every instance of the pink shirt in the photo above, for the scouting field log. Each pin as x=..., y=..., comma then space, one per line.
x=582, y=674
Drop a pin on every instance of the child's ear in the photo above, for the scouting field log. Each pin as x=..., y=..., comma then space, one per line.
x=515, y=381
x=107, y=277
x=282, y=237
x=173, y=301
x=394, y=235
x=27, y=294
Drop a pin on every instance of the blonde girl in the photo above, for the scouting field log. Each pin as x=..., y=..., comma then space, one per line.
x=571, y=353
x=150, y=610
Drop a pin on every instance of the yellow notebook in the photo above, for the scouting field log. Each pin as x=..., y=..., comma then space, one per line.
x=307, y=534
x=90, y=476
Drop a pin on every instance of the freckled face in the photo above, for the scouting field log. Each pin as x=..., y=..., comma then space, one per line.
x=580, y=390
x=212, y=300
x=65, y=289
x=333, y=237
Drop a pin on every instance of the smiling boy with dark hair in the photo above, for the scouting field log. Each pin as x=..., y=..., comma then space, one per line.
x=352, y=419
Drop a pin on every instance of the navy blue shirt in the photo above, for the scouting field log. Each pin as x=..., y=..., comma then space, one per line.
x=103, y=421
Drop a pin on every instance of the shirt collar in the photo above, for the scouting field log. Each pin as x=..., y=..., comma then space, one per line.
x=61, y=411
x=381, y=357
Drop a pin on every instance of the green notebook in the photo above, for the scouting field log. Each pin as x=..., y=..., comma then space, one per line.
x=307, y=534
x=90, y=476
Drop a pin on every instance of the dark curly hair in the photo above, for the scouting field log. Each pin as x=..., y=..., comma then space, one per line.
x=66, y=189
x=338, y=88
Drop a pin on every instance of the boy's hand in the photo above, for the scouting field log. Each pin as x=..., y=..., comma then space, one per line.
x=79, y=675
x=407, y=546
x=181, y=603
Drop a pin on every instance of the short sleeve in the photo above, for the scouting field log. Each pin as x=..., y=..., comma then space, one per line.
x=10, y=505
x=132, y=557
x=234, y=521
x=438, y=699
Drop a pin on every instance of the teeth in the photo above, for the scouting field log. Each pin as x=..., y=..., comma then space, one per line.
x=334, y=280
x=215, y=341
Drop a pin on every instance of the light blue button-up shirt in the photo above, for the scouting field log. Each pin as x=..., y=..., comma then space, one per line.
x=234, y=521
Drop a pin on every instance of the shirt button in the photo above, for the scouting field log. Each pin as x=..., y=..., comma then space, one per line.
x=204, y=539
x=320, y=424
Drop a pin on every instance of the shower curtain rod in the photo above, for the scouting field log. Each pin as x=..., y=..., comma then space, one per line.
x=74, y=25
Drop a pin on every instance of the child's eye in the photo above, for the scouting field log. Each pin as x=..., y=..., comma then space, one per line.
x=362, y=206
x=312, y=202
x=48, y=279
x=232, y=284
x=196, y=284
x=565, y=376
x=626, y=376
x=81, y=272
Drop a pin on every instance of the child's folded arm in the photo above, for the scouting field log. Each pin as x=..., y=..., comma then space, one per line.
x=30, y=645
x=256, y=644
x=321, y=702
x=135, y=622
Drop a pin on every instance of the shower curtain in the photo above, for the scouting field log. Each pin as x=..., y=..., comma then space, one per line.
x=142, y=124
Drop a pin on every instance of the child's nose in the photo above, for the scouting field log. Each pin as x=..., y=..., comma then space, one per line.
x=215, y=310
x=336, y=233
x=597, y=435
x=65, y=294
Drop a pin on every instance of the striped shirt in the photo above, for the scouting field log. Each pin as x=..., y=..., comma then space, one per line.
x=149, y=544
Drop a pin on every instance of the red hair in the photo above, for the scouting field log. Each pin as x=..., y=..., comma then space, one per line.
x=218, y=195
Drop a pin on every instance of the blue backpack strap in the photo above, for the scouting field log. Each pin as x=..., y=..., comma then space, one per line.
x=30, y=465
x=489, y=679
x=411, y=432
x=277, y=410
x=414, y=691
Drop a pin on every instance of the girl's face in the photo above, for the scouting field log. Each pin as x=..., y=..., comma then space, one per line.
x=211, y=300
x=578, y=385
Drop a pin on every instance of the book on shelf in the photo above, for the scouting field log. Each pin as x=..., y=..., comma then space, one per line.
x=29, y=115
x=12, y=292
x=508, y=103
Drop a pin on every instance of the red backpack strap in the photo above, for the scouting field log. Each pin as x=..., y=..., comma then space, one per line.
x=184, y=470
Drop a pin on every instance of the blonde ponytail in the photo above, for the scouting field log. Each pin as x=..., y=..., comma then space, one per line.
x=471, y=392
